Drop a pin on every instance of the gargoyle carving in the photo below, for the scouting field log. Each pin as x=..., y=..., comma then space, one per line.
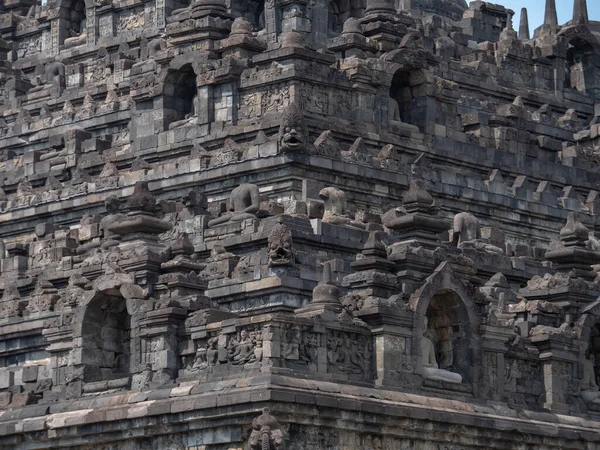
x=293, y=132
x=266, y=433
x=281, y=252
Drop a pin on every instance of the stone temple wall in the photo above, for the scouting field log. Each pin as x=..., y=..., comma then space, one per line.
x=303, y=225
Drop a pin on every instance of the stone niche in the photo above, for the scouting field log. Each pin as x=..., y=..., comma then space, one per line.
x=450, y=331
x=583, y=64
x=71, y=23
x=251, y=10
x=180, y=100
x=105, y=343
x=408, y=89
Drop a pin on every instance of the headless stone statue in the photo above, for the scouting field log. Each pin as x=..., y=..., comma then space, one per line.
x=78, y=37
x=431, y=370
x=335, y=208
x=394, y=111
x=110, y=239
x=468, y=231
x=191, y=118
x=244, y=203
x=466, y=228
x=589, y=388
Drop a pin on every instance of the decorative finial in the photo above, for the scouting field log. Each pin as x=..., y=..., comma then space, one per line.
x=327, y=293
x=574, y=233
x=580, y=12
x=550, y=16
x=524, y=34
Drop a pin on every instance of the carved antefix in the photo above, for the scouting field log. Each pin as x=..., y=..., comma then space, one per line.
x=266, y=433
x=293, y=132
x=281, y=252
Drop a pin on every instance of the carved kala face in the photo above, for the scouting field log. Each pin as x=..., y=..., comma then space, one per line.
x=280, y=252
x=292, y=139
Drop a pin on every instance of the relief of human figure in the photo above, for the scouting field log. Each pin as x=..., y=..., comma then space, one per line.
x=243, y=350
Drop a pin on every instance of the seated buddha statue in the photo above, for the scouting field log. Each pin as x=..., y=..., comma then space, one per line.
x=431, y=369
x=244, y=203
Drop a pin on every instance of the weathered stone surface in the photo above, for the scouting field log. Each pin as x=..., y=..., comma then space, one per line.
x=225, y=226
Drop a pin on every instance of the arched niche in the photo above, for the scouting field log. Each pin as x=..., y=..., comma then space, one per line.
x=336, y=16
x=578, y=56
x=453, y=324
x=180, y=95
x=408, y=90
x=449, y=329
x=339, y=11
x=589, y=337
x=593, y=350
x=254, y=12
x=103, y=336
x=582, y=60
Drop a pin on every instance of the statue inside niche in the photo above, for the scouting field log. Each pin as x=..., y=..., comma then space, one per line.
x=244, y=203
x=78, y=30
x=590, y=391
x=431, y=370
x=244, y=349
x=190, y=118
x=254, y=12
x=466, y=228
x=394, y=110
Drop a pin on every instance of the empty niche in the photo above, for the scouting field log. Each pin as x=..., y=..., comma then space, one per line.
x=105, y=339
x=580, y=57
x=594, y=351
